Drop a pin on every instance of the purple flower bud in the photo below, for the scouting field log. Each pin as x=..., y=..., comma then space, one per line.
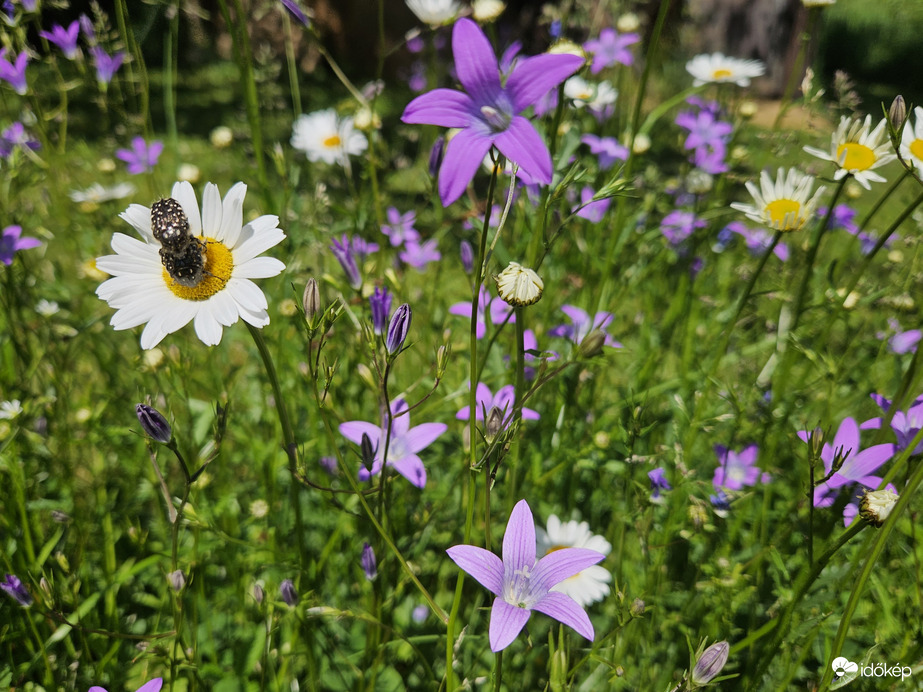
x=14, y=587
x=369, y=563
x=311, y=300
x=397, y=330
x=86, y=25
x=419, y=613
x=710, y=663
x=177, y=580
x=329, y=464
x=467, y=256
x=342, y=250
x=296, y=12
x=368, y=452
x=380, y=301
x=436, y=154
x=154, y=424
x=287, y=590
x=258, y=593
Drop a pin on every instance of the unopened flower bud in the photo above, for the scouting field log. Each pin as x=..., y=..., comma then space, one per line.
x=380, y=302
x=592, y=344
x=367, y=452
x=288, y=593
x=397, y=330
x=177, y=580
x=876, y=505
x=637, y=608
x=442, y=360
x=15, y=589
x=435, y=155
x=897, y=114
x=467, y=256
x=258, y=593
x=369, y=563
x=311, y=300
x=153, y=423
x=494, y=423
x=519, y=286
x=710, y=663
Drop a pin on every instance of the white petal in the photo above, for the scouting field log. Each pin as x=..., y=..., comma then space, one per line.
x=259, y=268
x=246, y=294
x=211, y=211
x=140, y=218
x=257, y=243
x=232, y=216
x=185, y=195
x=207, y=328
x=258, y=318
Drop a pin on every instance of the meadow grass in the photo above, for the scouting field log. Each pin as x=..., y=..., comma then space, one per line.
x=231, y=554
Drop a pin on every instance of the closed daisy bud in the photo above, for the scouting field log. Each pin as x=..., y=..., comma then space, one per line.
x=494, y=423
x=876, y=505
x=710, y=664
x=311, y=300
x=154, y=424
x=519, y=286
x=897, y=114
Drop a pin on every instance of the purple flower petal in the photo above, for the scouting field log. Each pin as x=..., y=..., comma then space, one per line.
x=463, y=157
x=562, y=564
x=522, y=144
x=353, y=431
x=534, y=77
x=410, y=467
x=423, y=435
x=565, y=609
x=475, y=62
x=481, y=564
x=506, y=622
x=519, y=540
x=443, y=107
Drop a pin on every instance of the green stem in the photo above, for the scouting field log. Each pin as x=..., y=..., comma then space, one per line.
x=520, y=395
x=288, y=436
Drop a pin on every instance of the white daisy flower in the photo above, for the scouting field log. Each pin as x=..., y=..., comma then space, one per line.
x=594, y=96
x=96, y=193
x=142, y=291
x=718, y=68
x=435, y=12
x=589, y=585
x=519, y=286
x=785, y=204
x=912, y=140
x=857, y=150
x=10, y=409
x=322, y=136
x=487, y=10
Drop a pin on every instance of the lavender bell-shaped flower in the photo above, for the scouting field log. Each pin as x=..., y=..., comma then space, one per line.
x=380, y=302
x=369, y=563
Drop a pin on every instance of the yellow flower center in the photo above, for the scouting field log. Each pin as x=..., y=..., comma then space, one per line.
x=722, y=73
x=916, y=149
x=332, y=142
x=855, y=157
x=219, y=265
x=783, y=213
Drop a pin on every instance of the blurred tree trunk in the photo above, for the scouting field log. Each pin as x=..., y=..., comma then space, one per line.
x=767, y=30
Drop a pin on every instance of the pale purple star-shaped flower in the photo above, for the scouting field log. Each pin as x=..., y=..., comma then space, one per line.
x=757, y=240
x=11, y=242
x=142, y=157
x=521, y=584
x=737, y=470
x=611, y=48
x=65, y=39
x=15, y=72
x=679, y=225
x=342, y=249
x=106, y=65
x=362, y=247
x=607, y=149
x=659, y=483
x=900, y=341
x=711, y=159
x=498, y=309
x=404, y=443
x=504, y=401
x=16, y=136
x=591, y=211
x=905, y=424
x=843, y=216
x=581, y=325
x=418, y=255
x=704, y=129
x=13, y=586
x=857, y=467
x=399, y=228
x=487, y=112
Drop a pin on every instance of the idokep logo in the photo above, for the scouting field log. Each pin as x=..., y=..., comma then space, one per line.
x=843, y=666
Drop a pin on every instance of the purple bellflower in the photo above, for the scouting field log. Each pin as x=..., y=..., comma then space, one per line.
x=418, y=255
x=611, y=48
x=504, y=401
x=905, y=424
x=65, y=39
x=757, y=240
x=106, y=65
x=521, y=584
x=659, y=482
x=900, y=341
x=737, y=470
x=498, y=309
x=14, y=137
x=15, y=72
x=488, y=111
x=11, y=242
x=607, y=149
x=679, y=225
x=404, y=443
x=857, y=467
x=288, y=593
x=590, y=210
x=380, y=302
x=399, y=228
x=13, y=586
x=141, y=158
x=343, y=251
x=368, y=561
x=581, y=325
x=150, y=686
